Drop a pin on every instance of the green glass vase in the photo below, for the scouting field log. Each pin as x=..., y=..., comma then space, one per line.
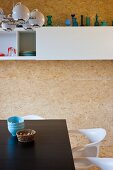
x=49, y=20
x=87, y=21
x=82, y=20
x=96, y=21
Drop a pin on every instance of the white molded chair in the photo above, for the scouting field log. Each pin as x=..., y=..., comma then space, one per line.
x=95, y=137
x=103, y=163
x=32, y=117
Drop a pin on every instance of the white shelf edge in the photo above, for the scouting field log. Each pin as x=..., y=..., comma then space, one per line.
x=22, y=58
x=47, y=27
x=77, y=59
x=18, y=58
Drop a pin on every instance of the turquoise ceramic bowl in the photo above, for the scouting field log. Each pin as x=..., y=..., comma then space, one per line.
x=15, y=124
x=28, y=53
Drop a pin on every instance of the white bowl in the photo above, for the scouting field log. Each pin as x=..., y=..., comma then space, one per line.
x=38, y=17
x=33, y=22
x=8, y=27
x=27, y=26
x=20, y=12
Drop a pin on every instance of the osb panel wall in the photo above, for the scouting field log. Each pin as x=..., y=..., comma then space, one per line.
x=80, y=91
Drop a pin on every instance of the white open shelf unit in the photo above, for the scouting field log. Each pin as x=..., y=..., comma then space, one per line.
x=60, y=43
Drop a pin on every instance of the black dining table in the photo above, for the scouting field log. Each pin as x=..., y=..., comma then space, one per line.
x=51, y=149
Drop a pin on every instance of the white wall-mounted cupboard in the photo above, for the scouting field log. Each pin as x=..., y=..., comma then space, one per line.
x=60, y=43
x=75, y=43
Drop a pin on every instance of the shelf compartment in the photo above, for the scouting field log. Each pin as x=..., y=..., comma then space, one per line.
x=26, y=42
x=7, y=39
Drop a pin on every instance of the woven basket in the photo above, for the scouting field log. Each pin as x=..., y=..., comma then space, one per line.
x=26, y=135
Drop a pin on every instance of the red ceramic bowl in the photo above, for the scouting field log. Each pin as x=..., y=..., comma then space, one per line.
x=1, y=54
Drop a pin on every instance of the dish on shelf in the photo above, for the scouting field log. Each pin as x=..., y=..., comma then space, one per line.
x=20, y=12
x=2, y=54
x=27, y=53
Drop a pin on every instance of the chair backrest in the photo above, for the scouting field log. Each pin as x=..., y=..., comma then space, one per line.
x=103, y=163
x=32, y=117
x=95, y=135
x=82, y=163
x=84, y=152
x=89, y=151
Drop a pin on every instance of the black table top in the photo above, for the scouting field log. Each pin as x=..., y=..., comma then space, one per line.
x=50, y=151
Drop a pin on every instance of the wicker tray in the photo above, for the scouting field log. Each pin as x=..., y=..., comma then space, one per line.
x=26, y=135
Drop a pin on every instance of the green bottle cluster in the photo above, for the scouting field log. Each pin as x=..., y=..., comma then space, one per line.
x=84, y=21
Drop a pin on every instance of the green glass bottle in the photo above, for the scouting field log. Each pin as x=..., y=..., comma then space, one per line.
x=75, y=23
x=82, y=20
x=49, y=20
x=104, y=23
x=73, y=16
x=96, y=21
x=87, y=21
